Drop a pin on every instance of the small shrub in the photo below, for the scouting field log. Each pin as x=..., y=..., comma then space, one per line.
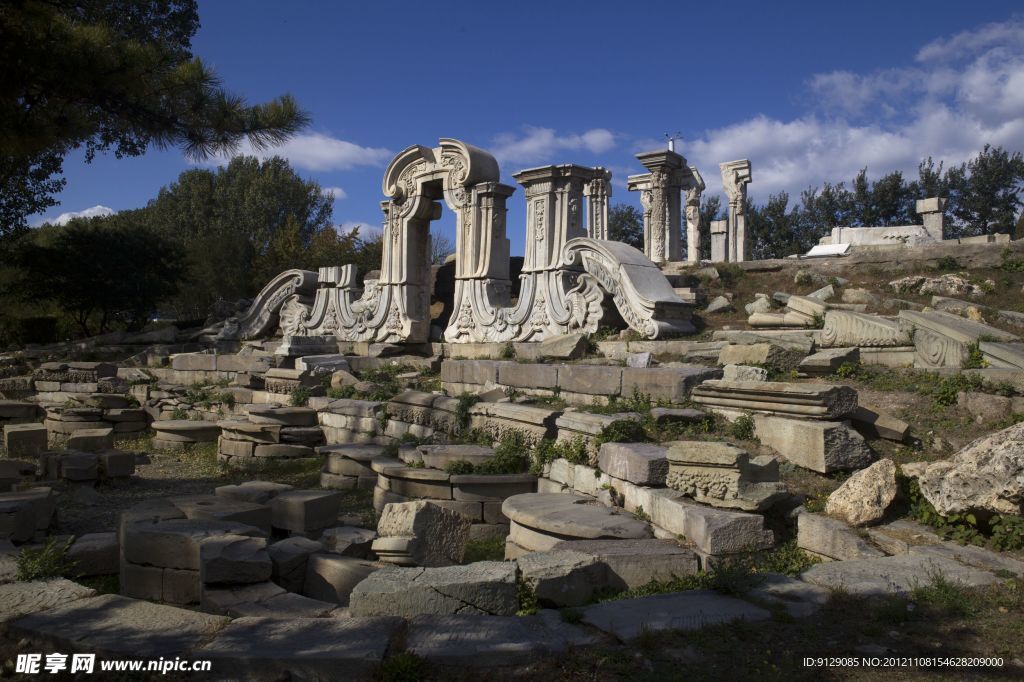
x=640, y=514
x=627, y=431
x=484, y=550
x=787, y=559
x=462, y=416
x=742, y=428
x=49, y=561
x=299, y=397
x=458, y=467
x=179, y=413
x=975, y=358
x=947, y=264
x=508, y=351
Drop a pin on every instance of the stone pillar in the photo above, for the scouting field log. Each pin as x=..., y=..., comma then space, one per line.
x=694, y=187
x=735, y=176
x=554, y=212
x=660, y=195
x=719, y=241
x=933, y=213
x=597, y=192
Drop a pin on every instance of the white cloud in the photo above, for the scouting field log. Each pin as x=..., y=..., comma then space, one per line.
x=366, y=228
x=537, y=145
x=964, y=92
x=335, y=193
x=317, y=152
x=93, y=212
x=999, y=34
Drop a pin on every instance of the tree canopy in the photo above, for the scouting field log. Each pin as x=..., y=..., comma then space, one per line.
x=111, y=75
x=626, y=224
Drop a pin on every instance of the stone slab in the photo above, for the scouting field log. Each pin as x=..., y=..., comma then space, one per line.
x=302, y=648
x=894, y=574
x=628, y=619
x=118, y=627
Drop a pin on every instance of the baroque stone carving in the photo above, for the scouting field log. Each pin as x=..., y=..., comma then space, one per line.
x=565, y=278
x=845, y=329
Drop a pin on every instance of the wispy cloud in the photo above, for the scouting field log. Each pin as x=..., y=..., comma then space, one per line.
x=336, y=193
x=318, y=152
x=538, y=145
x=92, y=212
x=963, y=91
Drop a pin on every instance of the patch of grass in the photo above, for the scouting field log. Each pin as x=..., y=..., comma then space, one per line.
x=547, y=451
x=46, y=562
x=945, y=596
x=484, y=550
x=787, y=559
x=403, y=667
x=528, y=604
x=508, y=351
x=465, y=401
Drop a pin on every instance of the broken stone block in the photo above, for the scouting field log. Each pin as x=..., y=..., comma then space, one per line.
x=846, y=329
x=25, y=440
x=220, y=508
x=306, y=512
x=349, y=541
x=282, y=416
x=866, y=495
x=640, y=463
x=986, y=474
x=829, y=360
x=723, y=475
x=95, y=554
x=816, y=445
x=289, y=558
x=13, y=472
x=562, y=577
x=19, y=599
x=261, y=600
x=744, y=373
x=331, y=578
x=283, y=451
x=541, y=520
x=79, y=466
x=718, y=304
x=116, y=464
x=256, y=492
x=92, y=440
x=635, y=563
x=873, y=423
x=804, y=400
x=833, y=539
x=484, y=587
x=672, y=415
x=421, y=534
x=234, y=559
x=762, y=354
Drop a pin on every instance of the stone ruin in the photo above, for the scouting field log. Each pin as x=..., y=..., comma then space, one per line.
x=264, y=577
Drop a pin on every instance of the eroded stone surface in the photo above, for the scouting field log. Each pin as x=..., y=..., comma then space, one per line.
x=484, y=587
x=864, y=497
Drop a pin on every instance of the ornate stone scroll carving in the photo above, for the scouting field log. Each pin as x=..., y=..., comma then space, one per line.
x=735, y=177
x=642, y=295
x=844, y=329
x=565, y=278
x=694, y=187
x=264, y=314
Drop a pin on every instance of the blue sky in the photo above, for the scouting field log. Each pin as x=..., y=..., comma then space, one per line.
x=810, y=92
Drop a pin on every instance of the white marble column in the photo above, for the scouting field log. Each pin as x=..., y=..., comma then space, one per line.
x=694, y=188
x=598, y=191
x=735, y=177
x=660, y=195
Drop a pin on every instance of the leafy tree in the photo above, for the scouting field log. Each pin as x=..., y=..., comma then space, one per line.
x=101, y=271
x=984, y=193
x=112, y=75
x=240, y=226
x=626, y=224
